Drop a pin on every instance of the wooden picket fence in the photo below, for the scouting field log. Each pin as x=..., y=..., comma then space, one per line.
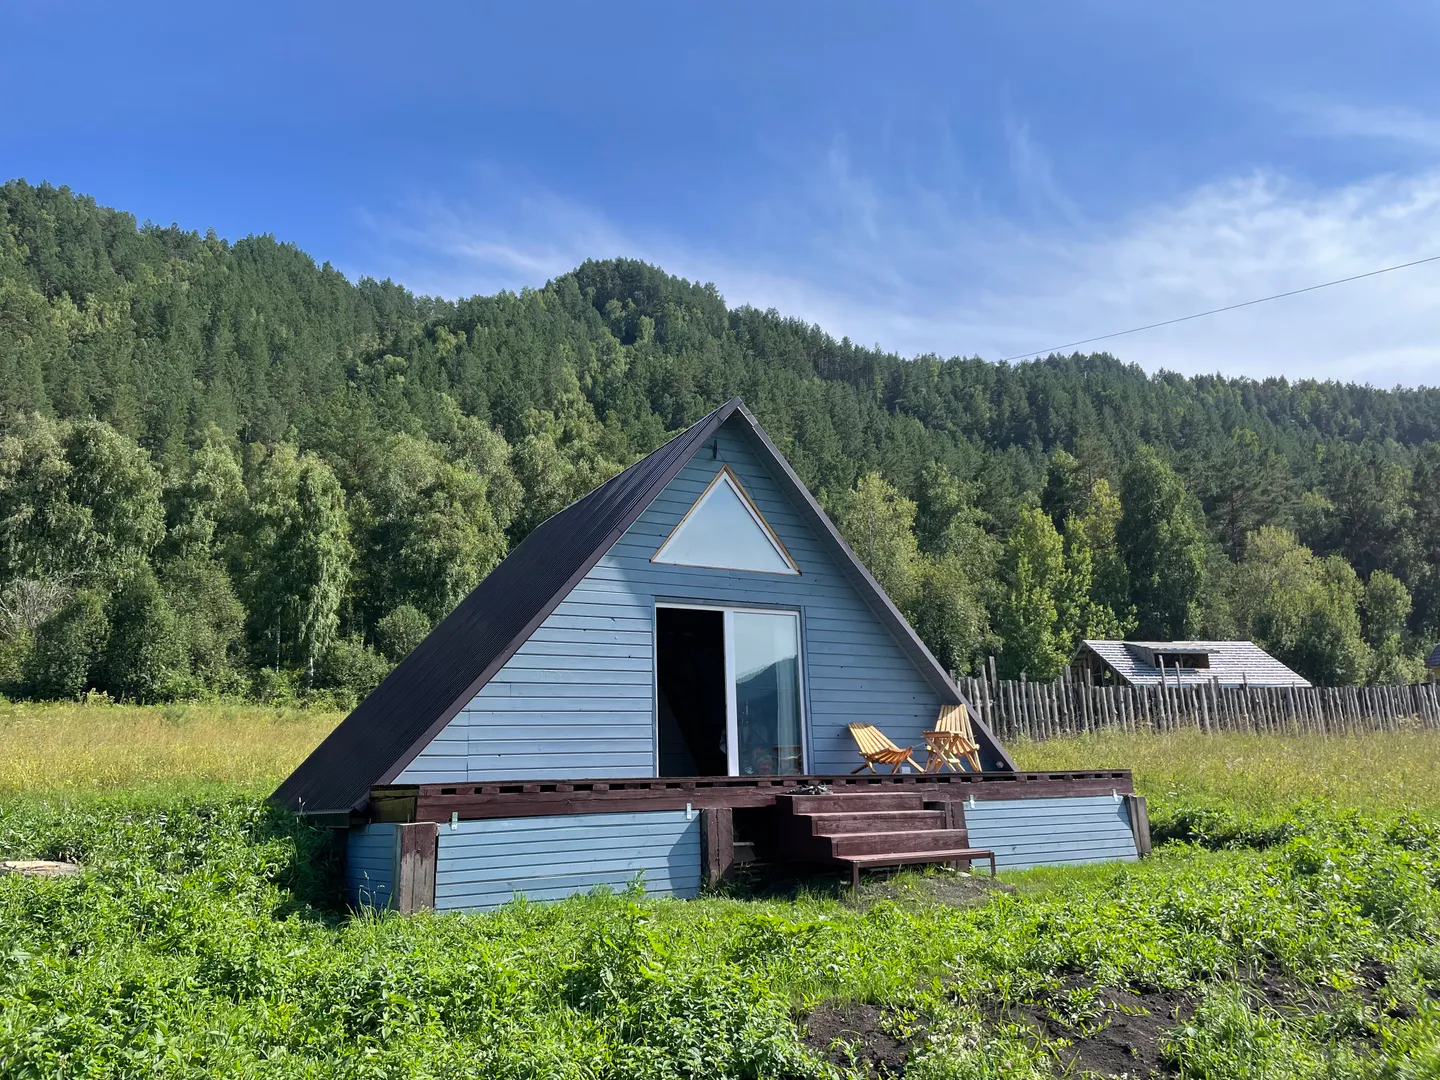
x=1022, y=709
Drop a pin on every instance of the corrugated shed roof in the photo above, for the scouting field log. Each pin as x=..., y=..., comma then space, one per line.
x=1231, y=662
x=430, y=686
x=1434, y=660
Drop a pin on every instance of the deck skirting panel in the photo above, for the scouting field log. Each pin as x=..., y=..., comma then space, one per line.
x=370, y=865
x=482, y=864
x=1025, y=833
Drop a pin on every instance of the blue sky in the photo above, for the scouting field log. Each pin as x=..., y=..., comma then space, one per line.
x=950, y=177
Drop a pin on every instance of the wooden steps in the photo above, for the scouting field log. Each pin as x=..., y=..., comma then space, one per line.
x=858, y=862
x=858, y=830
x=836, y=824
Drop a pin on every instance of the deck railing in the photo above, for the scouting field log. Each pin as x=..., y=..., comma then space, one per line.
x=1021, y=708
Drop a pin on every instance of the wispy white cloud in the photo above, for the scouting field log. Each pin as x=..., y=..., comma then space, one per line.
x=1034, y=174
x=922, y=270
x=1240, y=240
x=509, y=236
x=1391, y=124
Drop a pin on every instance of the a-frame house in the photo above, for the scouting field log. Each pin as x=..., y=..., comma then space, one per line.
x=649, y=675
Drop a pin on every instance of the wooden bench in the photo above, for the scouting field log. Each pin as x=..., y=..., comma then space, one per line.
x=913, y=858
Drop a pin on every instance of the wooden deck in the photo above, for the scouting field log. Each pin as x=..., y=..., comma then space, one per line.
x=541, y=798
x=864, y=821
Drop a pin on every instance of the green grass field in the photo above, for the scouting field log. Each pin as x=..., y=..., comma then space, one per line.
x=78, y=748
x=1292, y=933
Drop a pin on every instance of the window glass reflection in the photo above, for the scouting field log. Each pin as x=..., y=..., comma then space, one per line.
x=767, y=693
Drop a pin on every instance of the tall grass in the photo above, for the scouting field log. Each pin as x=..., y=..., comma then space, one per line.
x=249, y=749
x=93, y=748
x=1260, y=775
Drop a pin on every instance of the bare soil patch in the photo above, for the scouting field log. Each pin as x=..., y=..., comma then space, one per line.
x=38, y=868
x=855, y=1034
x=1120, y=1035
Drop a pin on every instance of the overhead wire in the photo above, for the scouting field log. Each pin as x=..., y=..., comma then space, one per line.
x=1216, y=311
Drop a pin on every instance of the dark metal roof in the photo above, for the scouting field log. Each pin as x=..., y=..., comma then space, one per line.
x=1434, y=659
x=1232, y=663
x=430, y=686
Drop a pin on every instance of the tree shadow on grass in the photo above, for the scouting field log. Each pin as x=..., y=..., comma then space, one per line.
x=794, y=881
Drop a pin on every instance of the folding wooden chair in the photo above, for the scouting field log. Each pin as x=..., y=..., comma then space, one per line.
x=876, y=749
x=952, y=742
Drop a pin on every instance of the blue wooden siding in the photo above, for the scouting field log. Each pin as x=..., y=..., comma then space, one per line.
x=577, y=699
x=370, y=865
x=1040, y=832
x=483, y=864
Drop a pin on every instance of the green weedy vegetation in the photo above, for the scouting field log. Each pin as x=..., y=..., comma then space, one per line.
x=204, y=939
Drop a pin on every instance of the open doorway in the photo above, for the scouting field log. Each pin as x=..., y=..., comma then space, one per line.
x=690, y=691
x=728, y=692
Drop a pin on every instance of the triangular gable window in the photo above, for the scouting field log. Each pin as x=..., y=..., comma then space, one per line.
x=724, y=531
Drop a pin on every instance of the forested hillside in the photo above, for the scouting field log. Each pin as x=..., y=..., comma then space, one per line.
x=227, y=470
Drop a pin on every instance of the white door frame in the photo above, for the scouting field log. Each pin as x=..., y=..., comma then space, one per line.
x=732, y=720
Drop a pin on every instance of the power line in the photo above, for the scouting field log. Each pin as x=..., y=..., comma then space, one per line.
x=1218, y=310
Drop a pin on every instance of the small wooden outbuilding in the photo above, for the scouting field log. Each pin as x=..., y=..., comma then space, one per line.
x=1432, y=664
x=1182, y=663
x=660, y=677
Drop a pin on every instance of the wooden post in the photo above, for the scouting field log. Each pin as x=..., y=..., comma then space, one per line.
x=1167, y=702
x=416, y=846
x=1027, y=717
x=1139, y=823
x=994, y=683
x=717, y=844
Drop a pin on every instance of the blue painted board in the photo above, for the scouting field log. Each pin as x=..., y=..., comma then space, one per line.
x=1052, y=832
x=590, y=664
x=483, y=864
x=370, y=865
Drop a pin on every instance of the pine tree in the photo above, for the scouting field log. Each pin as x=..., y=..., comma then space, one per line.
x=1163, y=547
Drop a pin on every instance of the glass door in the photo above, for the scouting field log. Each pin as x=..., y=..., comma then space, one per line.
x=765, y=723
x=728, y=695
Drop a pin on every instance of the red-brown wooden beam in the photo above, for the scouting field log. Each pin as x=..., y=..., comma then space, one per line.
x=543, y=798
